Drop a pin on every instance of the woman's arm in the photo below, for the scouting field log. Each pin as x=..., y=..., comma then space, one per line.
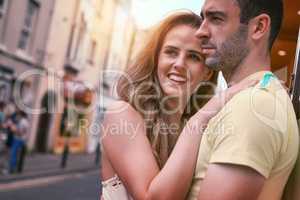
x=130, y=153
x=127, y=148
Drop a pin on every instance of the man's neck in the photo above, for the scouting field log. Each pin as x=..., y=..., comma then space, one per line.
x=250, y=65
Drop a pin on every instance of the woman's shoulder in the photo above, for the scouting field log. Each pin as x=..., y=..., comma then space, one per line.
x=121, y=123
x=119, y=104
x=122, y=110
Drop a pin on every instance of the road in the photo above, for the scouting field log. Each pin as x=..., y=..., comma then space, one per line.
x=80, y=186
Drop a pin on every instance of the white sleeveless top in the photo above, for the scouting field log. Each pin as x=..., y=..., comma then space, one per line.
x=113, y=189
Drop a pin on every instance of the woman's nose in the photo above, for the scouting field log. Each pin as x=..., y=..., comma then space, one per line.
x=180, y=61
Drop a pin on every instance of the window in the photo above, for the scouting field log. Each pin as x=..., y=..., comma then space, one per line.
x=70, y=43
x=80, y=36
x=91, y=57
x=29, y=25
x=6, y=77
x=3, y=4
x=3, y=10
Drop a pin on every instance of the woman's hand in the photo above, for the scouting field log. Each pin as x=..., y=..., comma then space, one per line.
x=217, y=102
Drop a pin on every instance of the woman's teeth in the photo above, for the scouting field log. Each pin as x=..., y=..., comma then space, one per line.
x=176, y=78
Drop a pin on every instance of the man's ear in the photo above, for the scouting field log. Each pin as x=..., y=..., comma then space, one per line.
x=260, y=26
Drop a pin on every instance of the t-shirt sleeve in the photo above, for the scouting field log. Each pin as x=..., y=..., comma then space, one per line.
x=250, y=133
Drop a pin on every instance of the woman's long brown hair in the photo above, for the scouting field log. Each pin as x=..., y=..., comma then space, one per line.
x=134, y=88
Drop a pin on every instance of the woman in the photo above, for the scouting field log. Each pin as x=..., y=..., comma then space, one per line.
x=152, y=136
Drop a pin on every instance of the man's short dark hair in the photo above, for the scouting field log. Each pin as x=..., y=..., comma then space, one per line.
x=273, y=8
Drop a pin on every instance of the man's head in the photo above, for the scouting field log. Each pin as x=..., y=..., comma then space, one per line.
x=273, y=8
x=231, y=29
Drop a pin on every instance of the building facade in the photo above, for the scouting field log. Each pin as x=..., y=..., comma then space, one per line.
x=23, y=42
x=76, y=50
x=121, y=45
x=58, y=51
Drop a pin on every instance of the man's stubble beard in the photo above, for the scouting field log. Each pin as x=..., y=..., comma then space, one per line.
x=231, y=53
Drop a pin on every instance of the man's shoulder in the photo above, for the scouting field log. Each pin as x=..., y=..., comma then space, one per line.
x=270, y=96
x=259, y=107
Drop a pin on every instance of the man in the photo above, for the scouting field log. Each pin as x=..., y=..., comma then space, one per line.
x=249, y=149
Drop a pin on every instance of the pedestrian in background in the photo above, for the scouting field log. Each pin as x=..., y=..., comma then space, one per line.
x=3, y=139
x=10, y=113
x=19, y=129
x=23, y=127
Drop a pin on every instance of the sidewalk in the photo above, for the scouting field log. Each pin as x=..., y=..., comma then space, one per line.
x=42, y=165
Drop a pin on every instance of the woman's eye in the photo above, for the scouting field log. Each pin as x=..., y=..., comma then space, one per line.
x=171, y=52
x=195, y=57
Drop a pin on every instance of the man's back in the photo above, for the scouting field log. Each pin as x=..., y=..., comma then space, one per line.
x=257, y=129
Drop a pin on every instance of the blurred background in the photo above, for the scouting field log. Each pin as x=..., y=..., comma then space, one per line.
x=59, y=60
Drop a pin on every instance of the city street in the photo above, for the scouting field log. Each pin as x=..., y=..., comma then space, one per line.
x=78, y=186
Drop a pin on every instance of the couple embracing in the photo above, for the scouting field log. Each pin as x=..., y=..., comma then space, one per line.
x=189, y=142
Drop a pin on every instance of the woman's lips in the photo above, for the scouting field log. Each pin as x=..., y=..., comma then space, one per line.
x=177, y=79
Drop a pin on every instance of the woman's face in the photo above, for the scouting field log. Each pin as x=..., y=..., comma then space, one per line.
x=180, y=64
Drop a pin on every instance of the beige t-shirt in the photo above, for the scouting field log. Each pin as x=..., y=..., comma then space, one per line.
x=292, y=189
x=256, y=128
